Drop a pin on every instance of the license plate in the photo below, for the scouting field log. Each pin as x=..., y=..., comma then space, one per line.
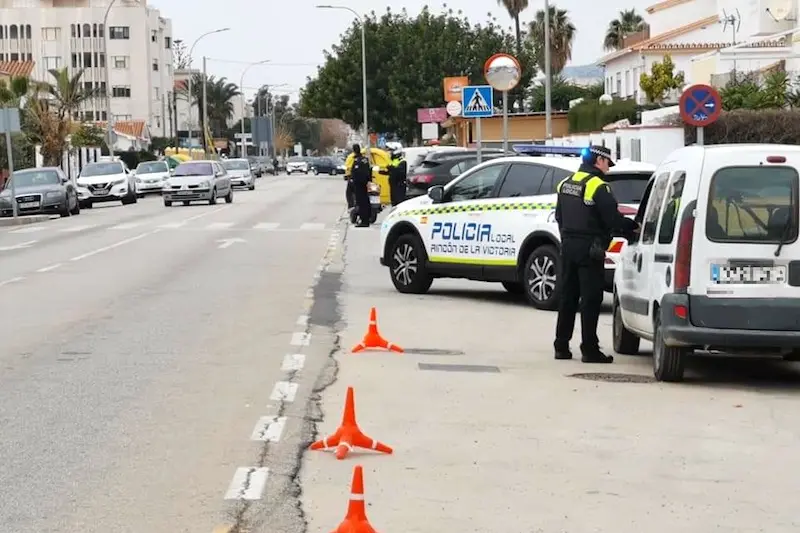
x=748, y=274
x=100, y=193
x=374, y=200
x=28, y=205
x=185, y=193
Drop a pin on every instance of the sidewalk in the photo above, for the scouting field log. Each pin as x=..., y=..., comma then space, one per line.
x=525, y=448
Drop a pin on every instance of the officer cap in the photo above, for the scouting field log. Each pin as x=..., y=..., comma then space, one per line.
x=601, y=151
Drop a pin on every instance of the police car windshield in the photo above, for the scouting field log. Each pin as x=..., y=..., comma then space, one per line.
x=628, y=187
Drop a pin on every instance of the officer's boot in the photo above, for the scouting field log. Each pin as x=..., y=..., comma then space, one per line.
x=562, y=351
x=594, y=355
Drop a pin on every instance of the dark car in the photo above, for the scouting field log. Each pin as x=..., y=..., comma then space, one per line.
x=442, y=170
x=40, y=191
x=444, y=155
x=325, y=165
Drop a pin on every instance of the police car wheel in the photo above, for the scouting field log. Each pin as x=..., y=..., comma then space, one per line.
x=625, y=342
x=540, y=278
x=407, y=266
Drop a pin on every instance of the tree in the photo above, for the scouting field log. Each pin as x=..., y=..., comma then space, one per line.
x=408, y=58
x=515, y=8
x=13, y=91
x=220, y=94
x=745, y=92
x=628, y=22
x=180, y=56
x=562, y=34
x=561, y=93
x=661, y=81
x=87, y=135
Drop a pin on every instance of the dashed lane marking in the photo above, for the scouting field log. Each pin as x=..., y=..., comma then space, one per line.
x=76, y=229
x=312, y=226
x=219, y=225
x=269, y=226
x=284, y=391
x=50, y=268
x=29, y=229
x=11, y=280
x=269, y=429
x=125, y=225
x=300, y=338
x=293, y=362
x=247, y=484
x=111, y=246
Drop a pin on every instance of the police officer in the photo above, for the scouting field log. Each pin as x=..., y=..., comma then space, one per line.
x=587, y=215
x=398, y=170
x=360, y=176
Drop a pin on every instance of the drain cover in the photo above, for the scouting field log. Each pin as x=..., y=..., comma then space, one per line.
x=614, y=378
x=433, y=351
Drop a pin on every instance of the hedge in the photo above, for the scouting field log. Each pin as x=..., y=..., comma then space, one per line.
x=590, y=116
x=741, y=126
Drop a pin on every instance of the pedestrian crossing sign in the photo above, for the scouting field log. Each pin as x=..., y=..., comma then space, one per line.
x=477, y=101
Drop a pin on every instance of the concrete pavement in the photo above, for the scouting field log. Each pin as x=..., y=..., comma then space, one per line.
x=491, y=434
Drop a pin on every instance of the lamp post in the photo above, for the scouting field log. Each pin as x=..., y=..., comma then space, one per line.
x=363, y=65
x=241, y=88
x=109, y=127
x=548, y=104
x=189, y=81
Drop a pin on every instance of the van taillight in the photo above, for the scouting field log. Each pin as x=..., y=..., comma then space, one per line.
x=683, y=258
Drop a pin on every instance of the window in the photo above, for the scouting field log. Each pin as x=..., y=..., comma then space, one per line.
x=156, y=93
x=51, y=62
x=158, y=121
x=104, y=115
x=101, y=31
x=88, y=86
x=628, y=187
x=477, y=185
x=522, y=180
x=654, y=208
x=74, y=60
x=753, y=204
x=121, y=92
x=119, y=32
x=670, y=218
x=557, y=176
x=154, y=36
x=168, y=43
x=459, y=168
x=87, y=116
x=121, y=118
x=51, y=34
x=120, y=62
x=73, y=30
x=155, y=66
x=100, y=88
x=13, y=32
x=15, y=57
x=87, y=59
x=28, y=31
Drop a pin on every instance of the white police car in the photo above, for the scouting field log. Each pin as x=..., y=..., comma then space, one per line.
x=496, y=223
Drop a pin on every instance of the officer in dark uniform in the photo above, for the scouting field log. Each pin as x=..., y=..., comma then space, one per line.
x=398, y=170
x=587, y=215
x=360, y=176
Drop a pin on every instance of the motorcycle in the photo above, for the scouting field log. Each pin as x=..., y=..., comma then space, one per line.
x=374, y=191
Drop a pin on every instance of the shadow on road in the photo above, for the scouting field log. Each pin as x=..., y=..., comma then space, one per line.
x=756, y=374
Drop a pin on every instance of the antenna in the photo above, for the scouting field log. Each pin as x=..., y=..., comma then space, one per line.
x=780, y=10
x=734, y=21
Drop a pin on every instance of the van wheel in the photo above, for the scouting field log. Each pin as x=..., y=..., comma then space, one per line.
x=668, y=361
x=407, y=266
x=229, y=196
x=213, y=199
x=540, y=278
x=625, y=342
x=514, y=287
x=77, y=209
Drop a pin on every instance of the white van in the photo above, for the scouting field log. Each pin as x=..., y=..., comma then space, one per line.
x=717, y=264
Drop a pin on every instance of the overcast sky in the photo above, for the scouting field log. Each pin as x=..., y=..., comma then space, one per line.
x=293, y=34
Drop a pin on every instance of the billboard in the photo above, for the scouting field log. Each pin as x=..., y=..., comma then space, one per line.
x=431, y=114
x=453, y=86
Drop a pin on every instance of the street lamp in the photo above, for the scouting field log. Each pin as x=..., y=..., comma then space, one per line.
x=106, y=32
x=189, y=81
x=241, y=89
x=363, y=65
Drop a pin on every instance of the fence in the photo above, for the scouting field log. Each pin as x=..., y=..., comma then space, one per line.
x=74, y=160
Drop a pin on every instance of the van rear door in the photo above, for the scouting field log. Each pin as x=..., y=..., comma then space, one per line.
x=745, y=271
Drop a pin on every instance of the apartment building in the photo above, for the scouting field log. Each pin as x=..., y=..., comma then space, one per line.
x=130, y=57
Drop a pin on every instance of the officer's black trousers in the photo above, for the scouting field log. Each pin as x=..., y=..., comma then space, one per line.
x=350, y=195
x=362, y=202
x=397, y=190
x=582, y=280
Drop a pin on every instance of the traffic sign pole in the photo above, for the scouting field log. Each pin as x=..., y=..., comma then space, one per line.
x=479, y=139
x=505, y=122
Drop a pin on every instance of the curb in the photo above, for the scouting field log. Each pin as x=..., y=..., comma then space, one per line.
x=23, y=220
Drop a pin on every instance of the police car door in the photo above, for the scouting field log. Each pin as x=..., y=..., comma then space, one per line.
x=458, y=227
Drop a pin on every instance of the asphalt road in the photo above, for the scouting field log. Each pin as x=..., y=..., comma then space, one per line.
x=149, y=353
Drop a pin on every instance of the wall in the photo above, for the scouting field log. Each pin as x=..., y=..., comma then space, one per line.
x=521, y=128
x=680, y=15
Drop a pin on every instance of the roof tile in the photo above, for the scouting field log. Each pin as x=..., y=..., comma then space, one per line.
x=17, y=68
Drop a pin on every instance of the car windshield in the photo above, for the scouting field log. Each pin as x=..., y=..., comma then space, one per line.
x=34, y=178
x=236, y=165
x=628, y=187
x=150, y=168
x=753, y=204
x=102, y=169
x=194, y=169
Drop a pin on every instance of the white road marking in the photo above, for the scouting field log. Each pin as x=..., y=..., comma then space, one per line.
x=11, y=280
x=269, y=429
x=266, y=226
x=247, y=484
x=126, y=225
x=292, y=362
x=219, y=225
x=111, y=246
x=29, y=229
x=284, y=391
x=76, y=229
x=302, y=320
x=227, y=243
x=300, y=338
x=312, y=226
x=182, y=223
x=19, y=246
x=49, y=268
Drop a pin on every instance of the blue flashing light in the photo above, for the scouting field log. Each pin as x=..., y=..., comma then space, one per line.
x=541, y=149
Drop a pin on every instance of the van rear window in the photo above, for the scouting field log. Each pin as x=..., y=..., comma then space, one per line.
x=753, y=204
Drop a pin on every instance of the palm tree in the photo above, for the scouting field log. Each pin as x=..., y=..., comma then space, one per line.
x=67, y=92
x=12, y=92
x=562, y=34
x=220, y=93
x=628, y=22
x=514, y=8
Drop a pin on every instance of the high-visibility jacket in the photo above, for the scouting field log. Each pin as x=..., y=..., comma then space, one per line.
x=576, y=198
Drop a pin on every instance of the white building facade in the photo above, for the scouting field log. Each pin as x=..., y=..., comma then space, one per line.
x=131, y=56
x=696, y=34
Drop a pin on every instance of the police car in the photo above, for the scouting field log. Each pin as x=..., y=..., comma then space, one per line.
x=496, y=223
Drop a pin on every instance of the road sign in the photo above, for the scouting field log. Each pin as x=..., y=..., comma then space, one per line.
x=454, y=108
x=381, y=142
x=700, y=105
x=477, y=101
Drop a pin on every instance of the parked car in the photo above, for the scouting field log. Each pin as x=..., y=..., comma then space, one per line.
x=297, y=164
x=40, y=191
x=106, y=181
x=240, y=172
x=440, y=172
x=150, y=176
x=415, y=155
x=265, y=166
x=255, y=166
x=326, y=165
x=198, y=181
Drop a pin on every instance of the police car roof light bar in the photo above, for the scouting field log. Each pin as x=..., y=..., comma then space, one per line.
x=541, y=149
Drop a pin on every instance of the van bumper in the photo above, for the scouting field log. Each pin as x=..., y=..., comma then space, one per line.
x=678, y=331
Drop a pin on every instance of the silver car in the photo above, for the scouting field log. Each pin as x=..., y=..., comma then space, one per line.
x=198, y=181
x=40, y=191
x=297, y=164
x=240, y=172
x=150, y=176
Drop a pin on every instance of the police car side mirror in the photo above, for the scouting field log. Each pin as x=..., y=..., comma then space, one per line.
x=436, y=193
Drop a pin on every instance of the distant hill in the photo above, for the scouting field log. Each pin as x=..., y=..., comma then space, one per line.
x=583, y=72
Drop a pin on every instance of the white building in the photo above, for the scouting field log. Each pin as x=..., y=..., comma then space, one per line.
x=688, y=30
x=136, y=47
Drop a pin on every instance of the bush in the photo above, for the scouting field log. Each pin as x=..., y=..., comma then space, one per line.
x=750, y=126
x=132, y=159
x=591, y=116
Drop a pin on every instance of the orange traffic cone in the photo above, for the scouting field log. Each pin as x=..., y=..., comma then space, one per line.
x=373, y=339
x=349, y=435
x=356, y=519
